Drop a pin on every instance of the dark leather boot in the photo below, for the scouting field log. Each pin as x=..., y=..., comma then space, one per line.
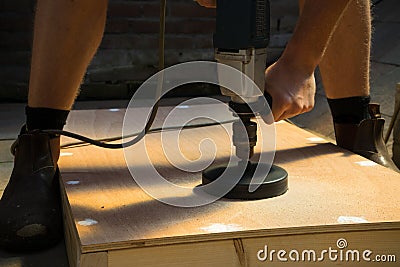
x=366, y=138
x=30, y=208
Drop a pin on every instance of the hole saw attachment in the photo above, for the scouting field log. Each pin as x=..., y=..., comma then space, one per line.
x=240, y=41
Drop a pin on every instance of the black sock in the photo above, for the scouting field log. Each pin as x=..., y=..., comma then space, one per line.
x=350, y=109
x=45, y=118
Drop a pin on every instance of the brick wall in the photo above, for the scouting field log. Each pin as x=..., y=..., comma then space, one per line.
x=15, y=44
x=128, y=52
x=129, y=47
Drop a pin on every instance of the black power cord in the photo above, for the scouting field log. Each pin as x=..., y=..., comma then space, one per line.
x=100, y=142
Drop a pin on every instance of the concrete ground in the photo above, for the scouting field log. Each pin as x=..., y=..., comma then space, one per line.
x=385, y=73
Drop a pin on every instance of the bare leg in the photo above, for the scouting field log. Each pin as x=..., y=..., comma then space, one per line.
x=345, y=74
x=66, y=36
x=345, y=64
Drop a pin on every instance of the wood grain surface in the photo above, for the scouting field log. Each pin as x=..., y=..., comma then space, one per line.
x=330, y=190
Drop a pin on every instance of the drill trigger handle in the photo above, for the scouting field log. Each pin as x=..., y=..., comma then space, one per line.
x=268, y=97
x=264, y=110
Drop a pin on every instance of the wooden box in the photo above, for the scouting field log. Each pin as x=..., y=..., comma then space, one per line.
x=337, y=201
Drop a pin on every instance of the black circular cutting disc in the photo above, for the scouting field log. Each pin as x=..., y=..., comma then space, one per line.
x=274, y=183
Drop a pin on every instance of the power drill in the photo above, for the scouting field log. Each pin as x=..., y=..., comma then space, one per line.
x=240, y=41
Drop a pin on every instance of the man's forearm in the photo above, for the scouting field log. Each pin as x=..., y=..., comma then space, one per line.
x=313, y=31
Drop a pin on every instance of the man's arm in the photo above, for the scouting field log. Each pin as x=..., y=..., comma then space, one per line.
x=207, y=3
x=290, y=81
x=314, y=29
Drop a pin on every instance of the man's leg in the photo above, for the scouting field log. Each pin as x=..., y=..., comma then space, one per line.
x=345, y=75
x=345, y=64
x=66, y=36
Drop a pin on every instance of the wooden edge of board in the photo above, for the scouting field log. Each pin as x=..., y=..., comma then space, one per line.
x=97, y=259
x=241, y=234
x=256, y=251
x=76, y=258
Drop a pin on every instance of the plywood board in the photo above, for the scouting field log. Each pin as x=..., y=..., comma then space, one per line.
x=300, y=250
x=330, y=191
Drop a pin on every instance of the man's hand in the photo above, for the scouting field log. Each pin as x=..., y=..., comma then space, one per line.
x=292, y=90
x=207, y=3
